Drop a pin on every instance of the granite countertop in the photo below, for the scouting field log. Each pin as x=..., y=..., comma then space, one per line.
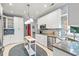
x=49, y=35
x=52, y=29
x=71, y=48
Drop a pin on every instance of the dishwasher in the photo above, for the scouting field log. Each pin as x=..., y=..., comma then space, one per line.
x=50, y=41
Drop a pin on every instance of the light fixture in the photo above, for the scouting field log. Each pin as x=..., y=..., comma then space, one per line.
x=10, y=4
x=45, y=6
x=27, y=22
x=30, y=20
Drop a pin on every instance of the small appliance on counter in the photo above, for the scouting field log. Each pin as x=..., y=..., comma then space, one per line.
x=43, y=26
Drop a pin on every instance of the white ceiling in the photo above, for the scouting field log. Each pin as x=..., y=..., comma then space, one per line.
x=35, y=10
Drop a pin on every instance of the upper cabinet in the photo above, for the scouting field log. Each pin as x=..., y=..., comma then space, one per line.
x=8, y=25
x=73, y=14
x=52, y=20
x=8, y=22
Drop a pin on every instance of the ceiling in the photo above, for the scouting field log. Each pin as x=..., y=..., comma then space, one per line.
x=35, y=10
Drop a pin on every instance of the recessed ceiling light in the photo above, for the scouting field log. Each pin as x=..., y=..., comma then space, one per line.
x=10, y=4
x=45, y=6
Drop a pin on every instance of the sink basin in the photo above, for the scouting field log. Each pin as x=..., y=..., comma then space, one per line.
x=74, y=46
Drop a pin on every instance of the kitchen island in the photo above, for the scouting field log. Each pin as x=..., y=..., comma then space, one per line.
x=66, y=48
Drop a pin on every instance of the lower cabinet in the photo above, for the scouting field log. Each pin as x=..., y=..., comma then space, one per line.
x=8, y=39
x=42, y=39
x=57, y=52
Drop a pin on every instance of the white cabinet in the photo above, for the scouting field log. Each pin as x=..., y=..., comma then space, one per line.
x=8, y=22
x=18, y=35
x=42, y=39
x=52, y=20
x=8, y=39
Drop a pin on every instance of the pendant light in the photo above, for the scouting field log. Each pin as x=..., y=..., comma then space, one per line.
x=30, y=20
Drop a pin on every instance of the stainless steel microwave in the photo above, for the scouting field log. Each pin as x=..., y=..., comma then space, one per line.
x=43, y=26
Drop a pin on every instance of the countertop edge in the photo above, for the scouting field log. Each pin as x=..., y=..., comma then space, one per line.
x=64, y=51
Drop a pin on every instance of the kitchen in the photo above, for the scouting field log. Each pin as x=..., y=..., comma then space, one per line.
x=52, y=26
x=53, y=29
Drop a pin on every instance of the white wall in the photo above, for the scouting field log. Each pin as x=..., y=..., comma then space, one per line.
x=18, y=29
x=73, y=18
x=74, y=14
x=1, y=9
x=52, y=20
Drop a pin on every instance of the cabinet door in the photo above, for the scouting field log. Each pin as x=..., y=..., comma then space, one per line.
x=42, y=39
x=54, y=19
x=8, y=39
x=10, y=22
x=5, y=41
